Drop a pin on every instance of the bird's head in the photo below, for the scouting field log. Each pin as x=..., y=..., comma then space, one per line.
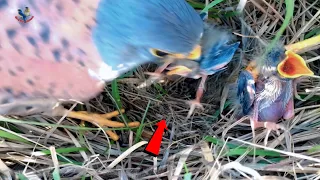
x=217, y=50
x=19, y=10
x=287, y=64
x=130, y=33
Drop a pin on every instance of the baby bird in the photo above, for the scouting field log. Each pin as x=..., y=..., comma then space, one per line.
x=266, y=94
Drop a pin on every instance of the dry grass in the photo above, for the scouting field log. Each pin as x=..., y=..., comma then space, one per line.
x=184, y=146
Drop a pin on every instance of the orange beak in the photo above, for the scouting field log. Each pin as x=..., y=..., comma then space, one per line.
x=179, y=70
x=293, y=66
x=193, y=55
x=252, y=68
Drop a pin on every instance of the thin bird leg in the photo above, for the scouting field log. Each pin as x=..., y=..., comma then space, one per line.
x=289, y=113
x=196, y=102
x=102, y=120
x=155, y=76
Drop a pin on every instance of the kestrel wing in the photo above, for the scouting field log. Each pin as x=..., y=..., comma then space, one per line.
x=52, y=55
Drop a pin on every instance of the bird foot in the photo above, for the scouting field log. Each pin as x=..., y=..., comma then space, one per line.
x=269, y=125
x=193, y=105
x=102, y=120
x=154, y=78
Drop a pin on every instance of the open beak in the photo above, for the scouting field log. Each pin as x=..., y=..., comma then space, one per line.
x=179, y=70
x=293, y=66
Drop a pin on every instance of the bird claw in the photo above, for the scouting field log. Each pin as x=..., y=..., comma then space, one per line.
x=273, y=126
x=270, y=126
x=193, y=105
x=102, y=120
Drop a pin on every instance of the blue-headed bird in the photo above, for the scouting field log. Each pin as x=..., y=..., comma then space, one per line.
x=68, y=57
x=22, y=15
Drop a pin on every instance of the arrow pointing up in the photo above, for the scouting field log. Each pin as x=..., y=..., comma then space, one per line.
x=153, y=147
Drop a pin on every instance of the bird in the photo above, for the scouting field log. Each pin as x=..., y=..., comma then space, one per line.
x=217, y=50
x=266, y=93
x=27, y=11
x=64, y=57
x=22, y=15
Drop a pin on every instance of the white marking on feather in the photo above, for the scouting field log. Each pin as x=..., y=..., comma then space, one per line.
x=105, y=73
x=251, y=91
x=272, y=90
x=250, y=81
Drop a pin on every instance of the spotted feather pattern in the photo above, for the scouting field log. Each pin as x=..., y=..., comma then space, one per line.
x=50, y=56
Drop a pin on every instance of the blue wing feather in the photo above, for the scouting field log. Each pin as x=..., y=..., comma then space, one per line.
x=217, y=50
x=246, y=91
x=220, y=55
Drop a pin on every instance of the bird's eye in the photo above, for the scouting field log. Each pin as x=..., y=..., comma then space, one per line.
x=159, y=53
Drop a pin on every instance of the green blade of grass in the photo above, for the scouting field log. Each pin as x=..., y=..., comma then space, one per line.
x=161, y=91
x=13, y=137
x=140, y=129
x=187, y=175
x=213, y=13
x=271, y=160
x=312, y=33
x=115, y=93
x=235, y=150
x=11, y=127
x=314, y=149
x=64, y=160
x=56, y=175
x=313, y=98
x=217, y=113
x=116, y=96
x=22, y=177
x=219, y=142
x=259, y=152
x=196, y=5
x=62, y=150
x=210, y=5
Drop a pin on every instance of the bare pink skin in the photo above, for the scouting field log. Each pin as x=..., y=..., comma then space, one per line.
x=33, y=69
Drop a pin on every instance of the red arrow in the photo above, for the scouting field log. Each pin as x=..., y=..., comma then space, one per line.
x=153, y=147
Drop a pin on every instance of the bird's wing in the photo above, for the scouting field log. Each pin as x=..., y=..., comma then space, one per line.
x=59, y=27
x=246, y=91
x=218, y=50
x=217, y=59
